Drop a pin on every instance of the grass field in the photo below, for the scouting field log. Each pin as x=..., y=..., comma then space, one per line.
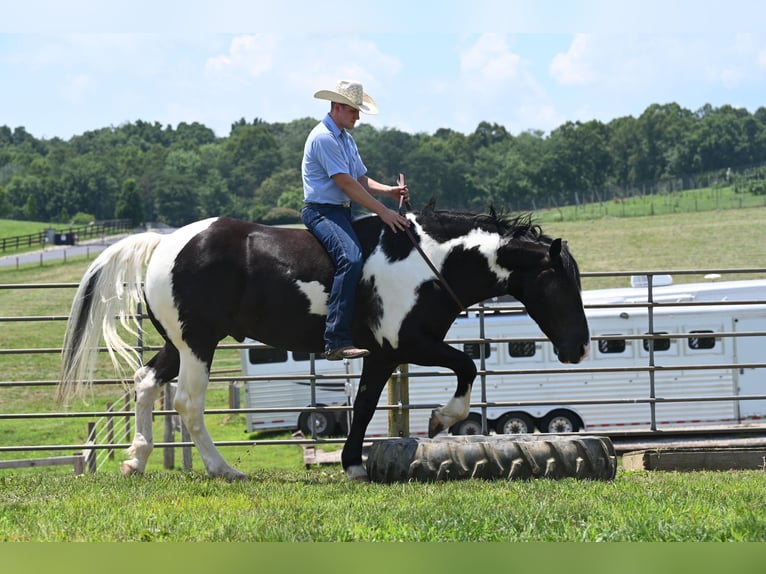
x=285, y=501
x=320, y=505
x=691, y=201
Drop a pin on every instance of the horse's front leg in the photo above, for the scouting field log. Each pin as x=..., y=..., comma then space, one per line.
x=440, y=354
x=373, y=379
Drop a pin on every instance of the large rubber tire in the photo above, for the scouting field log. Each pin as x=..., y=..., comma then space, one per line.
x=491, y=457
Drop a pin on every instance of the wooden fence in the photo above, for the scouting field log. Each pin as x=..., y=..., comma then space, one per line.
x=79, y=233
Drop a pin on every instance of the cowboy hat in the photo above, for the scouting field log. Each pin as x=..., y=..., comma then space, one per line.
x=350, y=93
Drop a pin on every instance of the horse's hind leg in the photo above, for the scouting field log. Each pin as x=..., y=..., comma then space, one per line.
x=190, y=403
x=162, y=368
x=147, y=389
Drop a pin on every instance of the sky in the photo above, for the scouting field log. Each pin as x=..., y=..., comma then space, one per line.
x=67, y=67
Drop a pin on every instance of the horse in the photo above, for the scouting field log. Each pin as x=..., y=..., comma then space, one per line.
x=225, y=277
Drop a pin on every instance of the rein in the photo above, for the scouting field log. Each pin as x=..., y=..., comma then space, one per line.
x=425, y=257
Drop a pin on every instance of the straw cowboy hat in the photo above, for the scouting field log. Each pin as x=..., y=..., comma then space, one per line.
x=350, y=93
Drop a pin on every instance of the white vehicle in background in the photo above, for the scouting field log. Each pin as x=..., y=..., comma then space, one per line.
x=522, y=368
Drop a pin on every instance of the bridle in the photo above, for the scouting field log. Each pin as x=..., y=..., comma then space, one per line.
x=416, y=244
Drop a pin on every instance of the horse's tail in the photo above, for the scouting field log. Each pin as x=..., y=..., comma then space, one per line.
x=110, y=291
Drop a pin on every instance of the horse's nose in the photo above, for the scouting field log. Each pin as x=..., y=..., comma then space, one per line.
x=578, y=354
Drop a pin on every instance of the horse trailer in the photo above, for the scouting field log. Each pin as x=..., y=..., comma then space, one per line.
x=694, y=369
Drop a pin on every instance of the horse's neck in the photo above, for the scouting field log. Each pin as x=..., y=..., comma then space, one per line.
x=476, y=280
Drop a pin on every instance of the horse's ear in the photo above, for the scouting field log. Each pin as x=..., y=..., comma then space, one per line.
x=492, y=212
x=430, y=206
x=555, y=249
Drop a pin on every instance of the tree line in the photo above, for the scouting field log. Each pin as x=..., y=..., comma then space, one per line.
x=149, y=172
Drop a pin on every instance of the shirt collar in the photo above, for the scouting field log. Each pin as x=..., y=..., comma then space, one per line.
x=330, y=124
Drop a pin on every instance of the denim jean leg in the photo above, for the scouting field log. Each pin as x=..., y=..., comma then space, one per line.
x=332, y=227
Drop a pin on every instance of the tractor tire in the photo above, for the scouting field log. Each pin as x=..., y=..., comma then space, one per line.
x=507, y=457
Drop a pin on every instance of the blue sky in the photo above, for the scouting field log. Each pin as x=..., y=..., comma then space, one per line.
x=68, y=67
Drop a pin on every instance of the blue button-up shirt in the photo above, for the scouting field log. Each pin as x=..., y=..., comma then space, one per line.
x=329, y=151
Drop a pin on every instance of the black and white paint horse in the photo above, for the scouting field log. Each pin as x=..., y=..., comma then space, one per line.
x=222, y=277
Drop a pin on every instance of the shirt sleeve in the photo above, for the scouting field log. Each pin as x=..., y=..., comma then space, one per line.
x=329, y=154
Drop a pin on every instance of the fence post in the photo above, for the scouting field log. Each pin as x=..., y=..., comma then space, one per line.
x=234, y=395
x=79, y=464
x=399, y=393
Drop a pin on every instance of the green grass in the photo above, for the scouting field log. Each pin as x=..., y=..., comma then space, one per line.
x=692, y=201
x=10, y=228
x=13, y=227
x=727, y=239
x=320, y=505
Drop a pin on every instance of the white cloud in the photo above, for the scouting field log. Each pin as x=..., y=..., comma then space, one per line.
x=491, y=59
x=251, y=55
x=574, y=67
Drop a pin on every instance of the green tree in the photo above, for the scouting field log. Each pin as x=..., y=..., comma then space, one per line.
x=275, y=185
x=215, y=199
x=250, y=155
x=5, y=204
x=177, y=197
x=129, y=203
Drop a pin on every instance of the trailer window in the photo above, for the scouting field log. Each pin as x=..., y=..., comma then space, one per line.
x=611, y=345
x=473, y=350
x=521, y=348
x=662, y=344
x=260, y=355
x=699, y=341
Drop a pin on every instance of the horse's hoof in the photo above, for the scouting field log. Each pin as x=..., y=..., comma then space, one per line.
x=435, y=425
x=357, y=473
x=231, y=475
x=128, y=469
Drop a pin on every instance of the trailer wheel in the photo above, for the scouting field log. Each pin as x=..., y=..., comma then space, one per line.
x=323, y=422
x=471, y=425
x=515, y=422
x=561, y=421
x=502, y=457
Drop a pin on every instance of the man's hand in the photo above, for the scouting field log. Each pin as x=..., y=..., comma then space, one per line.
x=395, y=221
x=399, y=192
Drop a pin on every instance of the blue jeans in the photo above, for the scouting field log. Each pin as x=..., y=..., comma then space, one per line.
x=331, y=225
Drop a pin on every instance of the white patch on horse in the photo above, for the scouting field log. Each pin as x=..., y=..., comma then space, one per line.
x=159, y=287
x=315, y=294
x=397, y=283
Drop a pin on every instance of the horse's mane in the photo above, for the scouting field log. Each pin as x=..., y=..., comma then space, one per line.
x=444, y=224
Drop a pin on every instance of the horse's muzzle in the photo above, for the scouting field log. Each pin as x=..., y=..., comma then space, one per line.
x=577, y=354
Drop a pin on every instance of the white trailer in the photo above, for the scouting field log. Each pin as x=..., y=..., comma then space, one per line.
x=528, y=390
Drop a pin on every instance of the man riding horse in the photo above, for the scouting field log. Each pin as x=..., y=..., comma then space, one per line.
x=334, y=175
